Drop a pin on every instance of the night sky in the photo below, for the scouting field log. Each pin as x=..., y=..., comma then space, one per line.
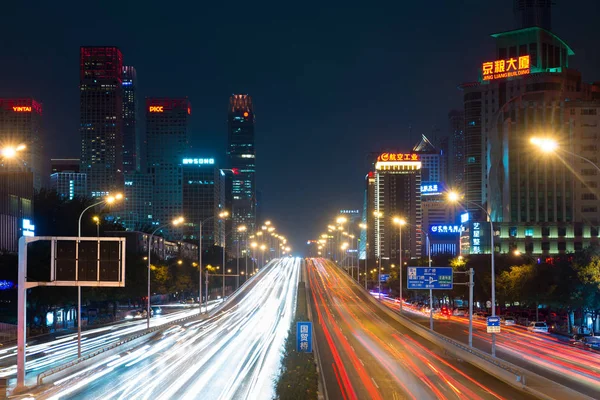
x=330, y=82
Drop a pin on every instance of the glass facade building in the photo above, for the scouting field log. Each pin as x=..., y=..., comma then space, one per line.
x=167, y=122
x=241, y=153
x=101, y=111
x=21, y=124
x=131, y=139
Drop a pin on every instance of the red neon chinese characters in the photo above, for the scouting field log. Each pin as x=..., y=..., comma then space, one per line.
x=505, y=68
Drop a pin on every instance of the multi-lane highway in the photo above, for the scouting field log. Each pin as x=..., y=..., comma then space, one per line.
x=367, y=354
x=543, y=354
x=233, y=354
x=49, y=352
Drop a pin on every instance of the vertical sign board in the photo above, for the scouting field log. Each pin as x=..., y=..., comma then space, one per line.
x=493, y=324
x=304, y=337
x=430, y=278
x=385, y=277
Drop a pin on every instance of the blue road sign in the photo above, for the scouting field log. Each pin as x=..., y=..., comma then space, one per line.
x=430, y=278
x=493, y=324
x=384, y=277
x=304, y=337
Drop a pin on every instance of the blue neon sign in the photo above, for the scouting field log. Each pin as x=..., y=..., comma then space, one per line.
x=198, y=161
x=431, y=188
x=445, y=229
x=304, y=337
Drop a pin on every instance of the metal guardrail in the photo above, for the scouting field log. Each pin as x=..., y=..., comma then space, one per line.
x=517, y=377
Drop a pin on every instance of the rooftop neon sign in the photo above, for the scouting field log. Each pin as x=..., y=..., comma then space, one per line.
x=509, y=68
x=198, y=161
x=398, y=157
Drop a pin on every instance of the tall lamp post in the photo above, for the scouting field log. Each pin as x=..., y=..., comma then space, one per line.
x=262, y=249
x=241, y=229
x=221, y=215
x=378, y=215
x=175, y=222
x=364, y=226
x=107, y=200
x=400, y=222
x=454, y=197
x=551, y=146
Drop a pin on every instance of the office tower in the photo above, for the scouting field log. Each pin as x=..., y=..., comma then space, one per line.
x=64, y=165
x=530, y=13
x=368, y=210
x=203, y=191
x=138, y=211
x=101, y=111
x=21, y=124
x=167, y=121
x=431, y=160
x=131, y=139
x=397, y=193
x=529, y=90
x=16, y=208
x=241, y=153
x=69, y=185
x=456, y=156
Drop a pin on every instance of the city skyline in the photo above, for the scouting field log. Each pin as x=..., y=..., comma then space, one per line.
x=384, y=120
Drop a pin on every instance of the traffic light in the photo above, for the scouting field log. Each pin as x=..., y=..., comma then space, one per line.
x=109, y=261
x=65, y=260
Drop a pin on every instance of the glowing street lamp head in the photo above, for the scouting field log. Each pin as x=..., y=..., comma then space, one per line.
x=362, y=226
x=119, y=196
x=110, y=199
x=259, y=233
x=399, y=221
x=96, y=219
x=377, y=214
x=242, y=228
x=453, y=197
x=223, y=214
x=178, y=221
x=341, y=220
x=263, y=247
x=547, y=145
x=254, y=245
x=11, y=151
x=267, y=223
x=271, y=229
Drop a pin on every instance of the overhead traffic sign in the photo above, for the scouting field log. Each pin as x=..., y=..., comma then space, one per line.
x=430, y=278
x=493, y=324
x=384, y=277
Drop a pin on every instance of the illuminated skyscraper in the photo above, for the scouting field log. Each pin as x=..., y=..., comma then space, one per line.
x=167, y=121
x=131, y=139
x=456, y=157
x=241, y=153
x=21, y=124
x=101, y=111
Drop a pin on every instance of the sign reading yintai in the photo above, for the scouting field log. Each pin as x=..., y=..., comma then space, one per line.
x=21, y=109
x=499, y=69
x=398, y=157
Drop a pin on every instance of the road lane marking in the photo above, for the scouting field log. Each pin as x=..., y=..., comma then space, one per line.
x=375, y=383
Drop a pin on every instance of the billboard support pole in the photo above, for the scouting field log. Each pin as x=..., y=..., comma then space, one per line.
x=21, y=313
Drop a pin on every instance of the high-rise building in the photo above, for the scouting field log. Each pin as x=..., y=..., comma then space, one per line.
x=241, y=153
x=529, y=13
x=533, y=198
x=138, y=211
x=16, y=208
x=69, y=185
x=101, y=112
x=456, y=164
x=368, y=210
x=431, y=160
x=131, y=139
x=64, y=165
x=21, y=124
x=203, y=187
x=167, y=121
x=397, y=193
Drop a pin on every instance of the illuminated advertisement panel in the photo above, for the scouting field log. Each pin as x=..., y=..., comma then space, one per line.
x=508, y=68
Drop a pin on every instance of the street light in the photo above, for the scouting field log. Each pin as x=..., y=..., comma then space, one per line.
x=400, y=222
x=11, y=151
x=378, y=215
x=241, y=229
x=548, y=145
x=263, y=248
x=221, y=215
x=454, y=197
x=96, y=219
x=175, y=222
x=107, y=200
